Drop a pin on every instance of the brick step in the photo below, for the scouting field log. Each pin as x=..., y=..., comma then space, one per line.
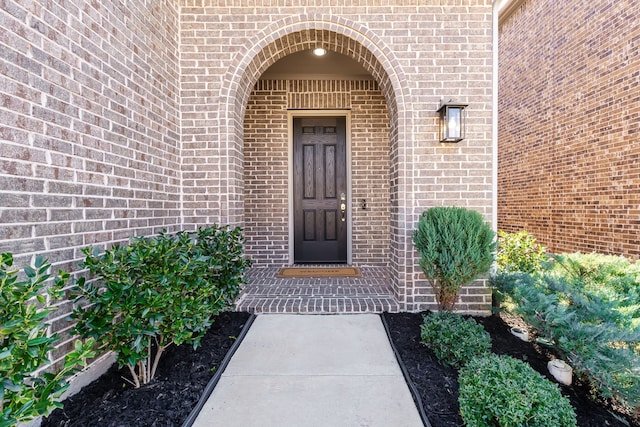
x=265, y=293
x=330, y=304
x=276, y=290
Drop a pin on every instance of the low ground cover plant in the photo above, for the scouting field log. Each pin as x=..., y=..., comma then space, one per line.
x=456, y=246
x=158, y=291
x=454, y=339
x=506, y=392
x=27, y=390
x=586, y=306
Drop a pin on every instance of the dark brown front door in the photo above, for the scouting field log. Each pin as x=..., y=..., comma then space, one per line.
x=320, y=190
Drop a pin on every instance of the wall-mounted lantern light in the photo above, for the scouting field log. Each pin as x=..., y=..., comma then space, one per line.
x=452, y=121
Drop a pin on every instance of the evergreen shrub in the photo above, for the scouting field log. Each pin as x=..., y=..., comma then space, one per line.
x=455, y=246
x=609, y=277
x=591, y=324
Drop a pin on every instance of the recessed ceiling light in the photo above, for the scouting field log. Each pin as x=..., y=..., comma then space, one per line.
x=319, y=51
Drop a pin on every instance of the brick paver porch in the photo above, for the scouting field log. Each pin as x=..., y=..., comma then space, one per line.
x=265, y=293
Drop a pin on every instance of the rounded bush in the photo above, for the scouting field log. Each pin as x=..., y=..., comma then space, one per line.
x=454, y=339
x=456, y=245
x=506, y=392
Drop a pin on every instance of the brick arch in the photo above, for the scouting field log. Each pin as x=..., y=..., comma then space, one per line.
x=305, y=32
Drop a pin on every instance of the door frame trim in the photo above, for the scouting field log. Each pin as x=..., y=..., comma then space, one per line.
x=319, y=113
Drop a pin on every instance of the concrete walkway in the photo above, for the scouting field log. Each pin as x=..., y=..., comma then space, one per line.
x=304, y=370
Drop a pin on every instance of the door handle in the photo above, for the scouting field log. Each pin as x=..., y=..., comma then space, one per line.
x=343, y=206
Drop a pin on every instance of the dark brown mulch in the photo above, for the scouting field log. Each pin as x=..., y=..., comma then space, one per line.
x=438, y=385
x=183, y=374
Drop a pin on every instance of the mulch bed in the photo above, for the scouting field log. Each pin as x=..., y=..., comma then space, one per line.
x=184, y=373
x=438, y=385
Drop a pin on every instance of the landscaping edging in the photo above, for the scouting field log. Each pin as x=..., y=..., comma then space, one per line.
x=212, y=384
x=181, y=379
x=424, y=375
x=412, y=388
x=438, y=385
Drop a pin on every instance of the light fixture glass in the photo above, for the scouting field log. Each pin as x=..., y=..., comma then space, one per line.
x=319, y=51
x=452, y=121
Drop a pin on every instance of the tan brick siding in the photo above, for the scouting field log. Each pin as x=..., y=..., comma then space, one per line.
x=124, y=118
x=266, y=174
x=418, y=53
x=89, y=130
x=569, y=109
x=266, y=165
x=370, y=175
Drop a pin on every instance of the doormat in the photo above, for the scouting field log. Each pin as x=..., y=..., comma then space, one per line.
x=299, y=272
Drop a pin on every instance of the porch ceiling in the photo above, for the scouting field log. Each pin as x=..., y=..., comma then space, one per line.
x=305, y=65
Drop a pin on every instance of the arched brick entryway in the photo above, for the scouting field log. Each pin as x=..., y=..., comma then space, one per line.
x=299, y=33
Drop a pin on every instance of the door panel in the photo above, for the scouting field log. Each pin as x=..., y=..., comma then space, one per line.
x=319, y=183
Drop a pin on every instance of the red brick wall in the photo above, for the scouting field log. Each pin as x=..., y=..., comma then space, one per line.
x=569, y=115
x=266, y=145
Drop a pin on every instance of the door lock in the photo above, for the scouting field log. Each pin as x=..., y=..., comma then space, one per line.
x=343, y=206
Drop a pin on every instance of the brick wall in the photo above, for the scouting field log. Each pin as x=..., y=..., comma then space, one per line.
x=418, y=52
x=266, y=165
x=266, y=169
x=569, y=111
x=123, y=118
x=89, y=130
x=370, y=175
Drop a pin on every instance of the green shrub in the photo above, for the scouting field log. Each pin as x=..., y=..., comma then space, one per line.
x=519, y=252
x=25, y=343
x=455, y=247
x=506, y=392
x=598, y=340
x=453, y=339
x=607, y=277
x=159, y=291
